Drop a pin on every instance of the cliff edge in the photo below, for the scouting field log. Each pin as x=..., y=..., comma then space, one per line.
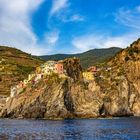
x=114, y=91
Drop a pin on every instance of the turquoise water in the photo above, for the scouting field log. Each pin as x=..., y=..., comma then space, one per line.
x=93, y=129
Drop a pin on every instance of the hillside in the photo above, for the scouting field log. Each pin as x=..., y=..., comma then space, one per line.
x=15, y=66
x=89, y=58
x=120, y=82
x=114, y=91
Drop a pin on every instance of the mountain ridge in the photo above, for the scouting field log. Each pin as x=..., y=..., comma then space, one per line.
x=88, y=58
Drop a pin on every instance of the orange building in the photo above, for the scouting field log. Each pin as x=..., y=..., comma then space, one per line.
x=59, y=68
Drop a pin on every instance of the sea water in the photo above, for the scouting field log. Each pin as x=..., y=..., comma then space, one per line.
x=71, y=129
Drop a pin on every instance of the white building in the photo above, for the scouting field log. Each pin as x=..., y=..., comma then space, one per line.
x=38, y=77
x=30, y=76
x=13, y=91
x=48, y=67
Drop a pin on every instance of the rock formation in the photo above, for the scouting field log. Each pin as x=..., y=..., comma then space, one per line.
x=120, y=84
x=115, y=91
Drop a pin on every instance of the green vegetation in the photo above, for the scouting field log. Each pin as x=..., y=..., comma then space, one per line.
x=121, y=72
x=131, y=51
x=89, y=58
x=24, y=69
x=127, y=58
x=85, y=85
x=53, y=78
x=22, y=91
x=15, y=66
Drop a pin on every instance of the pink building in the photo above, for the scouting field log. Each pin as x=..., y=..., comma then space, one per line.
x=59, y=68
x=92, y=69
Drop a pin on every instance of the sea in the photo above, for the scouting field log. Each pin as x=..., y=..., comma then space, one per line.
x=71, y=129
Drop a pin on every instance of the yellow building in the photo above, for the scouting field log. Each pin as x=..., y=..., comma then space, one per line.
x=38, y=70
x=30, y=76
x=88, y=76
x=25, y=82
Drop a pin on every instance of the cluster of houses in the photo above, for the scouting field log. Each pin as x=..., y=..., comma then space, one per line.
x=90, y=73
x=47, y=68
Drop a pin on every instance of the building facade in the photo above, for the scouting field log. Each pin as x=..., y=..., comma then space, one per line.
x=59, y=68
x=13, y=91
x=88, y=76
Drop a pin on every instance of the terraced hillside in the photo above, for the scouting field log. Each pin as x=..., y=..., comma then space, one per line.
x=15, y=65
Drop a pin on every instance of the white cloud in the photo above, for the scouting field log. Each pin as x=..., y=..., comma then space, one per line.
x=77, y=18
x=86, y=42
x=91, y=41
x=16, y=29
x=129, y=17
x=52, y=37
x=71, y=18
x=61, y=9
x=58, y=5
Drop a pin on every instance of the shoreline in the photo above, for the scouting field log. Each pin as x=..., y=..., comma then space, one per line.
x=46, y=119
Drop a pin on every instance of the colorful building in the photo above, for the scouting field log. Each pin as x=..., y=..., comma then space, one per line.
x=13, y=91
x=88, y=76
x=30, y=76
x=20, y=85
x=92, y=69
x=48, y=67
x=38, y=70
x=38, y=77
x=25, y=82
x=45, y=69
x=59, y=68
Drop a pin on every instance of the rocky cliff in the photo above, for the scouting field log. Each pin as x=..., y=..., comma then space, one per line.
x=115, y=91
x=57, y=97
x=120, y=83
x=15, y=66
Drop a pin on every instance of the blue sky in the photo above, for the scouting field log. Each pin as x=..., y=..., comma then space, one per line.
x=44, y=27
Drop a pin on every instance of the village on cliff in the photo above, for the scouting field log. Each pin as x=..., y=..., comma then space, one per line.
x=49, y=68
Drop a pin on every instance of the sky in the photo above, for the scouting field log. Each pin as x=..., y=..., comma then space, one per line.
x=43, y=27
